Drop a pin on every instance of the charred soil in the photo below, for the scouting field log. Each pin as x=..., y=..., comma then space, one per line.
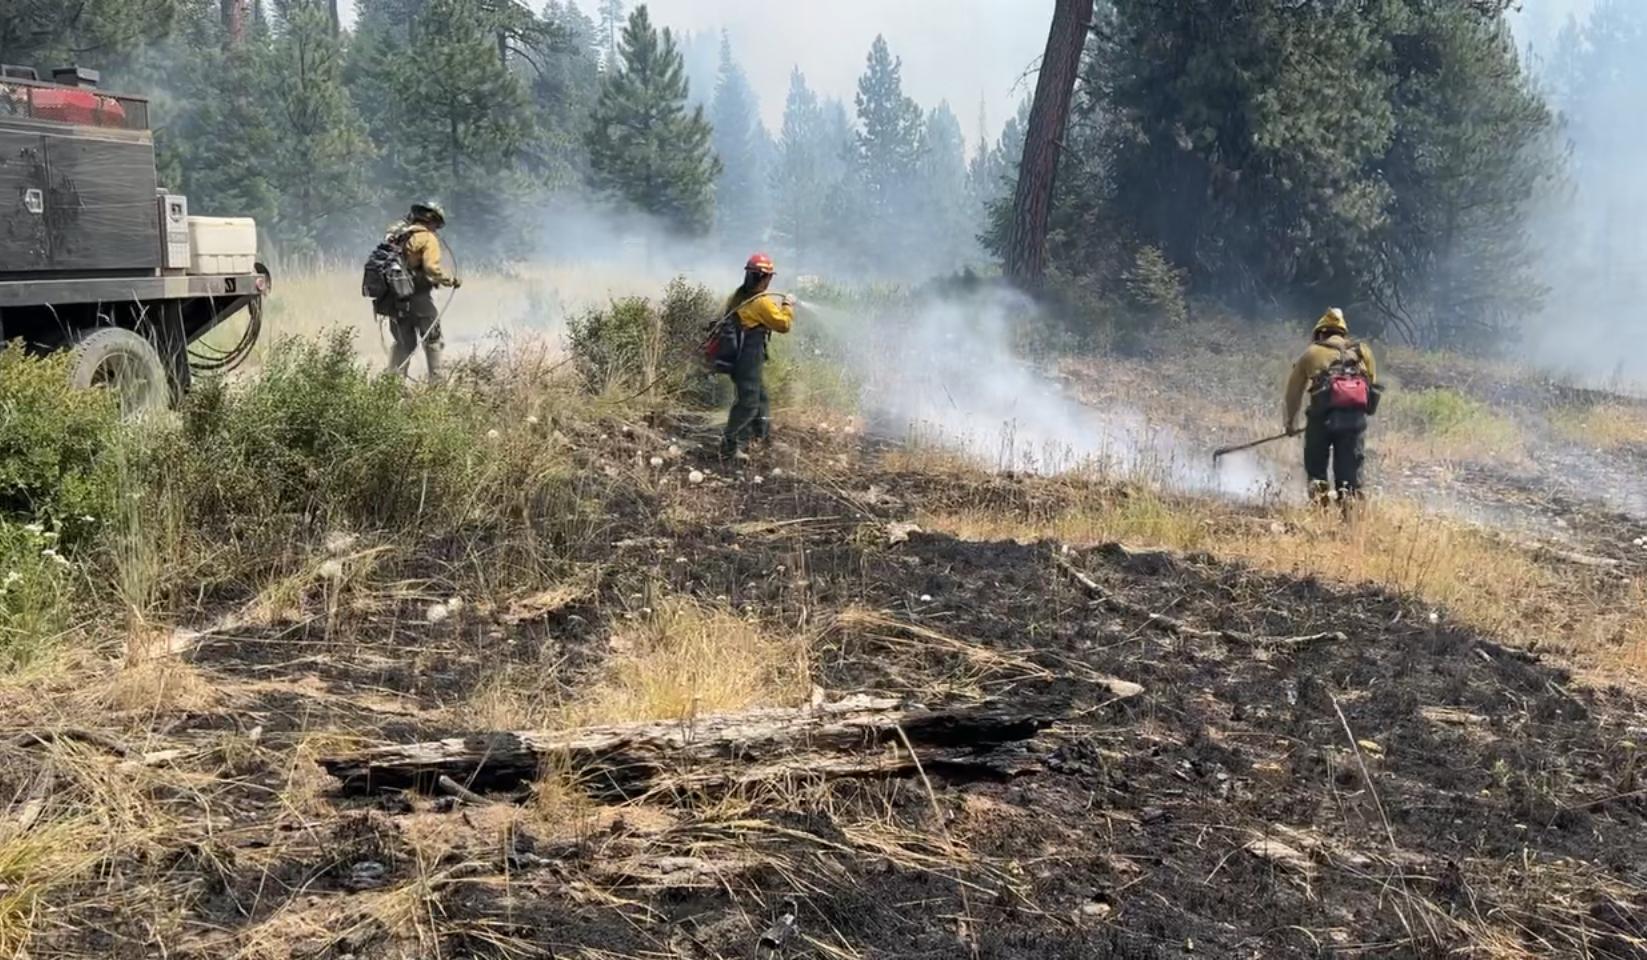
x=1309, y=769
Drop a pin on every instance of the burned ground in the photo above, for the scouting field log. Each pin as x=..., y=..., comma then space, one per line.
x=1310, y=769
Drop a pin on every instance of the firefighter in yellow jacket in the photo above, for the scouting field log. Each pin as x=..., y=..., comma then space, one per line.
x=1340, y=378
x=418, y=320
x=759, y=314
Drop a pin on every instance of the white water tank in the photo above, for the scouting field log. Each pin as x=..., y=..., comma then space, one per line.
x=222, y=246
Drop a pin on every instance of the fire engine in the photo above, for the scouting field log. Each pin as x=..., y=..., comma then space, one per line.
x=98, y=259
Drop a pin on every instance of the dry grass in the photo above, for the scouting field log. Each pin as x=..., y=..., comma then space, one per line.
x=512, y=300
x=684, y=660
x=1607, y=426
x=154, y=679
x=1476, y=576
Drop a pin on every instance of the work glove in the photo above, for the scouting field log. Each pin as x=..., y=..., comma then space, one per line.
x=1293, y=431
x=456, y=283
x=789, y=300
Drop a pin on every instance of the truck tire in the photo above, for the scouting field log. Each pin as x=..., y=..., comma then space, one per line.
x=121, y=360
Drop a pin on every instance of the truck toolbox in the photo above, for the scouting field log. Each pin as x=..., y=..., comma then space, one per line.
x=222, y=245
x=83, y=107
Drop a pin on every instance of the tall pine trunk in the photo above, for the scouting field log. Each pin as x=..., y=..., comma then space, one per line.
x=337, y=19
x=236, y=15
x=1048, y=118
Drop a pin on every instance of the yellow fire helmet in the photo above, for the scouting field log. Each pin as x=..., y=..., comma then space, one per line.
x=1332, y=322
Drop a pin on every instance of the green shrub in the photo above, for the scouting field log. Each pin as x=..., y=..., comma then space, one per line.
x=1438, y=410
x=54, y=441
x=317, y=436
x=632, y=342
x=1456, y=418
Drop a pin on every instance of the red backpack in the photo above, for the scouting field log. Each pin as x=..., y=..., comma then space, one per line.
x=1345, y=385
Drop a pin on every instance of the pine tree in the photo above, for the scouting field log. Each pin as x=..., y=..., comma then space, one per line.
x=458, y=120
x=565, y=83
x=742, y=201
x=946, y=218
x=321, y=163
x=611, y=25
x=644, y=145
x=799, y=182
x=53, y=31
x=889, y=134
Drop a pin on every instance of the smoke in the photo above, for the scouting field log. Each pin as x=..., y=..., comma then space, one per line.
x=1593, y=229
x=946, y=372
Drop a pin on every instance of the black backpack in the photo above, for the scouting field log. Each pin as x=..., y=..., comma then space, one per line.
x=387, y=279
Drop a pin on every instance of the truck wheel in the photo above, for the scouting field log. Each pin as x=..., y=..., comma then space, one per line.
x=125, y=363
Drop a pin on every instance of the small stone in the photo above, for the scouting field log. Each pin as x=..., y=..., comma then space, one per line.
x=532, y=421
x=759, y=480
x=1096, y=911
x=454, y=605
x=438, y=613
x=926, y=598
x=695, y=477
x=656, y=462
x=493, y=434
x=777, y=472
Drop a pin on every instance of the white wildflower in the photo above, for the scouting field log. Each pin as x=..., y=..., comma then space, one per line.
x=332, y=569
x=777, y=472
x=338, y=542
x=455, y=605
x=656, y=462
x=60, y=560
x=493, y=434
x=532, y=420
x=34, y=528
x=438, y=613
x=926, y=598
x=11, y=578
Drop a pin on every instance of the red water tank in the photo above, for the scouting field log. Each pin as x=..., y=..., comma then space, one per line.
x=83, y=107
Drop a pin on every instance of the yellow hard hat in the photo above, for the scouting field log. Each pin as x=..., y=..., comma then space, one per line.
x=1332, y=322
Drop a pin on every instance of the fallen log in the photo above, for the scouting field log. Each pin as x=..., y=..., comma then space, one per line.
x=860, y=736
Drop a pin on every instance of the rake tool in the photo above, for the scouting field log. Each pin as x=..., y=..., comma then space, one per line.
x=1226, y=451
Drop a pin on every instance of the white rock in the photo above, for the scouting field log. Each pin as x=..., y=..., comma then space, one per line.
x=656, y=462
x=532, y=421
x=493, y=434
x=331, y=569
x=777, y=472
x=438, y=613
x=926, y=598
x=674, y=450
x=759, y=479
x=454, y=605
x=695, y=476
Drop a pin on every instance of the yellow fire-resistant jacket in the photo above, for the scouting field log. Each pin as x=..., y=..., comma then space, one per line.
x=1315, y=361
x=423, y=254
x=766, y=310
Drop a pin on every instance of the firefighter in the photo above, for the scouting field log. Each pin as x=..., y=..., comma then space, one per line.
x=417, y=319
x=759, y=315
x=1341, y=379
